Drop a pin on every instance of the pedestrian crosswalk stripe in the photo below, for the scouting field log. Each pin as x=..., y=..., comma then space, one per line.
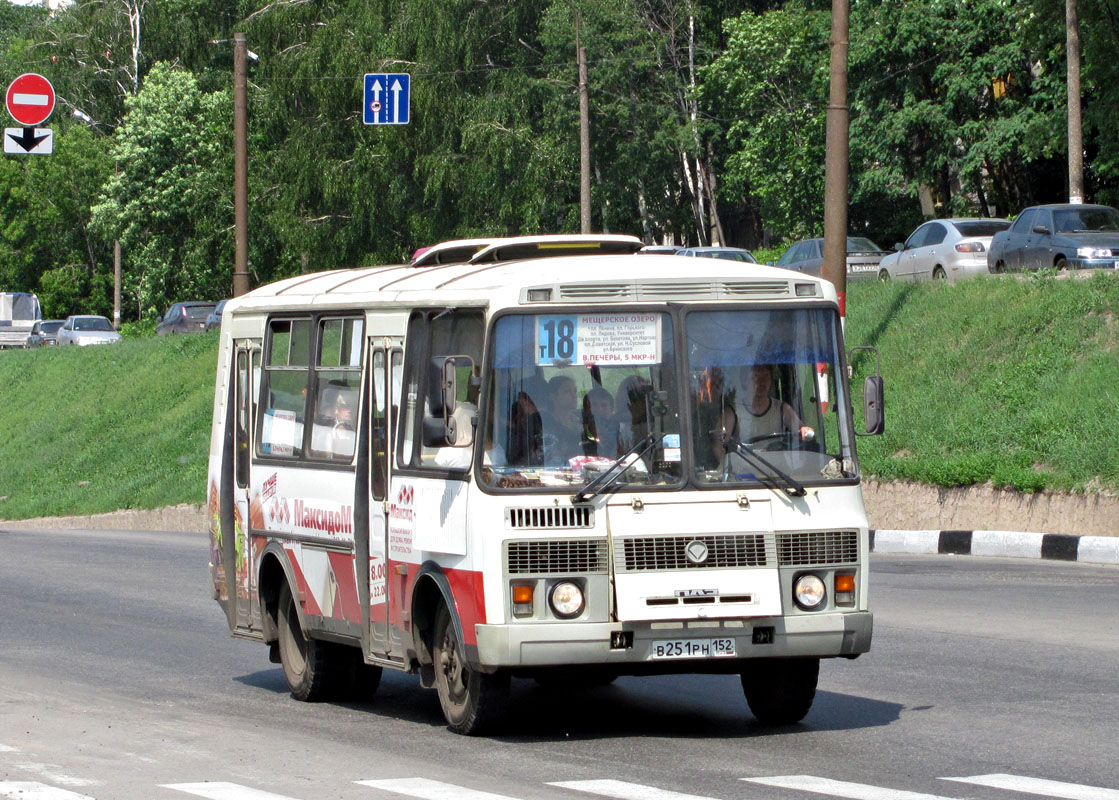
x=220, y=790
x=1021, y=783
x=431, y=790
x=853, y=791
x=622, y=790
x=30, y=790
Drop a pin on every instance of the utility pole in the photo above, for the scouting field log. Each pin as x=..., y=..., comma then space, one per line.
x=1075, y=129
x=240, y=167
x=116, y=284
x=584, y=145
x=835, y=165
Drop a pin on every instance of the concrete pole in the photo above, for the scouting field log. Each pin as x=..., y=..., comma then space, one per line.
x=116, y=284
x=835, y=164
x=240, y=167
x=584, y=147
x=1075, y=125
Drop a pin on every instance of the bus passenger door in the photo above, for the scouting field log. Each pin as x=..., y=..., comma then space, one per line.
x=247, y=371
x=385, y=359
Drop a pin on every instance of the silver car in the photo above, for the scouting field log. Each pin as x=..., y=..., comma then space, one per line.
x=44, y=333
x=85, y=330
x=943, y=249
x=729, y=253
x=807, y=256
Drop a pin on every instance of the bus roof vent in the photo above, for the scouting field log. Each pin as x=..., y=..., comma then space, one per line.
x=543, y=518
x=669, y=290
x=597, y=291
x=755, y=288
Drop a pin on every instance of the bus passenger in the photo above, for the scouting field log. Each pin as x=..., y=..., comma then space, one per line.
x=600, y=426
x=563, y=423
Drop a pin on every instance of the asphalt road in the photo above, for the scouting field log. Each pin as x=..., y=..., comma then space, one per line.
x=118, y=679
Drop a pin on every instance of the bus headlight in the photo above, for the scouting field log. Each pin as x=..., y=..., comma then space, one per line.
x=567, y=600
x=809, y=592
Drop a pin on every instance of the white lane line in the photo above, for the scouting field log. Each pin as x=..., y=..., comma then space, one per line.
x=431, y=790
x=854, y=791
x=30, y=790
x=48, y=771
x=621, y=790
x=1020, y=783
x=220, y=790
x=7, y=748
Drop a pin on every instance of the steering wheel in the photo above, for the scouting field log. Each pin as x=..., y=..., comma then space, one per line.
x=781, y=440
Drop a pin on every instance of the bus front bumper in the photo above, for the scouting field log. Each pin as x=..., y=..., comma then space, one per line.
x=825, y=635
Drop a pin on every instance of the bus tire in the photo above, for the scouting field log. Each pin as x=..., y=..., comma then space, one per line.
x=306, y=662
x=471, y=700
x=780, y=691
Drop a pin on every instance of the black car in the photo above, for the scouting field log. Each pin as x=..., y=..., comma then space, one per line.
x=807, y=256
x=184, y=318
x=43, y=333
x=213, y=319
x=1061, y=235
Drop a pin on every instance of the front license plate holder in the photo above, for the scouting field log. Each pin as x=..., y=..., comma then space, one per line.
x=717, y=647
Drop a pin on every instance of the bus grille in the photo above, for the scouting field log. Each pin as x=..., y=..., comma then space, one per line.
x=550, y=517
x=564, y=556
x=670, y=552
x=817, y=547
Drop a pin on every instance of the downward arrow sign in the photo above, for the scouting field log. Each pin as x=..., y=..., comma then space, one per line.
x=27, y=140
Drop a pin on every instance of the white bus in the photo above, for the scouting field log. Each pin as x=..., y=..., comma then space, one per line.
x=566, y=469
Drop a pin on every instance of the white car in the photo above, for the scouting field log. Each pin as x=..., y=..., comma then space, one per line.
x=943, y=249
x=84, y=330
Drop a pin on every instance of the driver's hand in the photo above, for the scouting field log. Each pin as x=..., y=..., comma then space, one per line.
x=806, y=433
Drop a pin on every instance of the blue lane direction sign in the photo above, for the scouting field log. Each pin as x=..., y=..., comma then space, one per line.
x=388, y=98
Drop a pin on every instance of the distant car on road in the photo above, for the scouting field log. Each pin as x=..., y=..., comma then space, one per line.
x=184, y=318
x=943, y=249
x=807, y=256
x=213, y=319
x=729, y=253
x=85, y=330
x=44, y=333
x=1062, y=235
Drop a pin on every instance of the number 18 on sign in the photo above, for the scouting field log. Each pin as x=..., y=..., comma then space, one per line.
x=388, y=98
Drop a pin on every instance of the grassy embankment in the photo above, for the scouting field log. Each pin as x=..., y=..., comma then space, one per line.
x=1010, y=382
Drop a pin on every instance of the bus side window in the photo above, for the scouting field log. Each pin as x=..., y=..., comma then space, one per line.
x=285, y=385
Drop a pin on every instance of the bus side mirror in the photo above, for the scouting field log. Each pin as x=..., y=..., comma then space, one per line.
x=449, y=385
x=874, y=413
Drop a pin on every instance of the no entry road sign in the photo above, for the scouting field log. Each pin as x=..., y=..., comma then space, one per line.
x=30, y=99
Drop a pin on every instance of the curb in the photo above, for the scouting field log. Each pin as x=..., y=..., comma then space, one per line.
x=999, y=544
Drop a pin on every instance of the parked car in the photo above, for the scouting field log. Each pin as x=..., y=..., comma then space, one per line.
x=1061, y=235
x=213, y=319
x=44, y=333
x=184, y=318
x=660, y=249
x=85, y=329
x=807, y=256
x=943, y=249
x=730, y=253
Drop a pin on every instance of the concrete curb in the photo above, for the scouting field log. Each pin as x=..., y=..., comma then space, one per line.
x=999, y=544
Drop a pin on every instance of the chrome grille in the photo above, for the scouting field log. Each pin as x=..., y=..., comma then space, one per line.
x=564, y=556
x=668, y=552
x=550, y=517
x=817, y=547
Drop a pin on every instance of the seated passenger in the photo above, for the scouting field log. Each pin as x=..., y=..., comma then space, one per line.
x=600, y=426
x=563, y=423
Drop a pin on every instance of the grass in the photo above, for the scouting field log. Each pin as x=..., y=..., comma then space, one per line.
x=1009, y=382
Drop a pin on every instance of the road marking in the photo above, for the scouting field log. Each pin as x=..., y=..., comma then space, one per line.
x=5, y=748
x=220, y=790
x=29, y=790
x=1020, y=783
x=47, y=771
x=625, y=791
x=431, y=790
x=854, y=791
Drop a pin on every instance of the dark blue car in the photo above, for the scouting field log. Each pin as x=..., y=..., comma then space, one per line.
x=1063, y=236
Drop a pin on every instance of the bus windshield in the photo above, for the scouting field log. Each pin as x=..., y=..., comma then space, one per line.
x=764, y=396
x=571, y=393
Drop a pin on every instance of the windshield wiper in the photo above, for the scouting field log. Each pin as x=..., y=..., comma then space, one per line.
x=794, y=487
x=606, y=479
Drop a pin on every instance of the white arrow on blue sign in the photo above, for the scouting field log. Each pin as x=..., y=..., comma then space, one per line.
x=388, y=98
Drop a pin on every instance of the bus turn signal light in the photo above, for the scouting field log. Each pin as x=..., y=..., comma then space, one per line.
x=844, y=590
x=522, y=600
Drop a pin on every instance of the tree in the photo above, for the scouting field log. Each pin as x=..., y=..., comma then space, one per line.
x=169, y=201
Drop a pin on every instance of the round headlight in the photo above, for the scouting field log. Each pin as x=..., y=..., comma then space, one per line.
x=809, y=592
x=567, y=600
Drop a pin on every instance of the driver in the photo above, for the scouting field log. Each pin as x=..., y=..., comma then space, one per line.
x=757, y=414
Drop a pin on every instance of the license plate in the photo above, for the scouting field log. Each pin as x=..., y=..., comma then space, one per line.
x=691, y=648
x=863, y=267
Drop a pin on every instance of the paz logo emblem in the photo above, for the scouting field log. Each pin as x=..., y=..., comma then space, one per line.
x=696, y=551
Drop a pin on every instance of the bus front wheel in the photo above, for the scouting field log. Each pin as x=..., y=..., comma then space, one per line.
x=471, y=700
x=306, y=662
x=780, y=691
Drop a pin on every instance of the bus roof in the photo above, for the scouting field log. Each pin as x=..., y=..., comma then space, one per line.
x=651, y=278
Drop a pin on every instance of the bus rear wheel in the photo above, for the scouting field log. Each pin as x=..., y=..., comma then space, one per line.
x=471, y=700
x=306, y=662
x=780, y=691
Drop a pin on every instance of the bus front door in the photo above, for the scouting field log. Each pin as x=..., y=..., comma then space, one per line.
x=247, y=615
